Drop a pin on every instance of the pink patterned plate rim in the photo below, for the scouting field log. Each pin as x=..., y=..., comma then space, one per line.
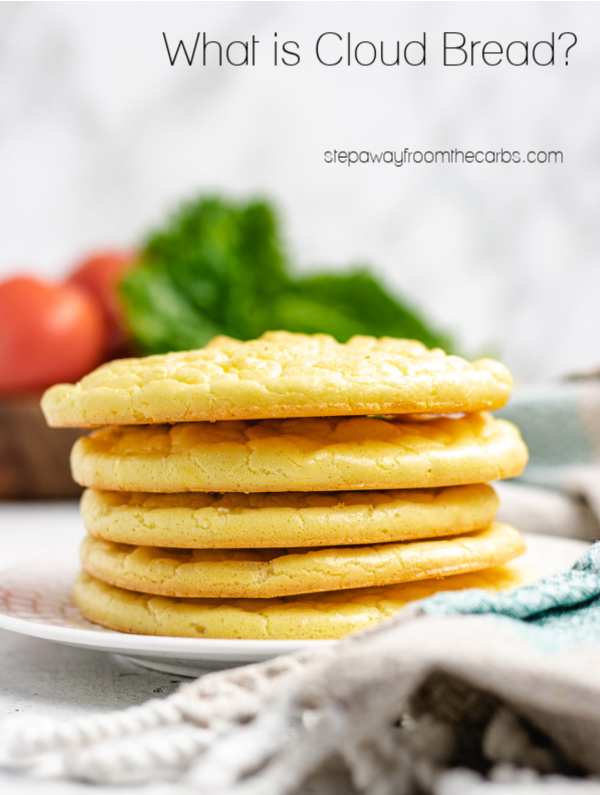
x=35, y=600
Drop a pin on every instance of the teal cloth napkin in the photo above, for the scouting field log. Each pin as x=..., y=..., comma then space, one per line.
x=560, y=424
x=553, y=614
x=559, y=492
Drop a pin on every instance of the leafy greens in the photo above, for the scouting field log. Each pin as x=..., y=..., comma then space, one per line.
x=219, y=268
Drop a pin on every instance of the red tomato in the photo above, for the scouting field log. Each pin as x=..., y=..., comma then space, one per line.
x=48, y=333
x=100, y=276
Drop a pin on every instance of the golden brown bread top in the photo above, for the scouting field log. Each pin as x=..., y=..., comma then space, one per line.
x=279, y=375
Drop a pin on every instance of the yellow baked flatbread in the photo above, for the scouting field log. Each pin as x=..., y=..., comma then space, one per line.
x=265, y=573
x=317, y=454
x=279, y=375
x=315, y=616
x=297, y=519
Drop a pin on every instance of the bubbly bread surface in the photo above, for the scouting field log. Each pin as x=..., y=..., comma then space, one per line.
x=311, y=617
x=279, y=375
x=265, y=573
x=316, y=454
x=236, y=520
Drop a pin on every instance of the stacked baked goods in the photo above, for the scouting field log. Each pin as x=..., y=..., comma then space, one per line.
x=287, y=487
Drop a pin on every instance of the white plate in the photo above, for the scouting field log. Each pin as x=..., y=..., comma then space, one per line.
x=35, y=600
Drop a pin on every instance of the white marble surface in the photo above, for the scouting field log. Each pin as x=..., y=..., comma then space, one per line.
x=100, y=137
x=38, y=677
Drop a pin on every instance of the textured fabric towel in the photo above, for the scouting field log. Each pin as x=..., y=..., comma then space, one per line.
x=559, y=492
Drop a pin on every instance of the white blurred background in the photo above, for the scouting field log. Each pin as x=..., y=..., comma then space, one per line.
x=100, y=138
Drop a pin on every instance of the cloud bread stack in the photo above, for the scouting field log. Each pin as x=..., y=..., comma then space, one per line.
x=287, y=487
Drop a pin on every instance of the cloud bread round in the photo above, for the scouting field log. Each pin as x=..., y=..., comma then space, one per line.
x=314, y=616
x=316, y=454
x=279, y=375
x=296, y=519
x=265, y=573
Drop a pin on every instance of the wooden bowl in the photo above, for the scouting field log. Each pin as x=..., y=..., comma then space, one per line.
x=34, y=459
